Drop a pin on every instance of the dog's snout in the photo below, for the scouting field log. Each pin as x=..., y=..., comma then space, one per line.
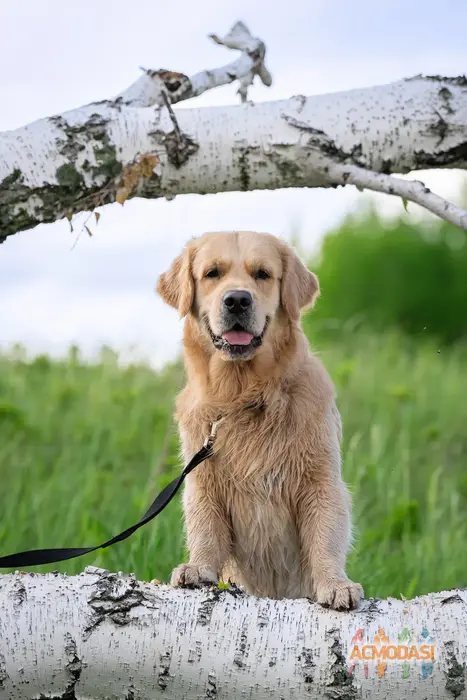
x=237, y=301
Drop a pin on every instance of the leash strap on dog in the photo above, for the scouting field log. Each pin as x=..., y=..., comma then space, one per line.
x=34, y=557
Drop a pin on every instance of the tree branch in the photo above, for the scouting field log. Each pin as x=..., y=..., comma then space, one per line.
x=136, y=145
x=409, y=190
x=104, y=635
x=150, y=88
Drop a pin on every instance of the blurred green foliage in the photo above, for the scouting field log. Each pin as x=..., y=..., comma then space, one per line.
x=379, y=274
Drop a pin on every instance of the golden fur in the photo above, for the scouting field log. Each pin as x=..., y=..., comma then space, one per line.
x=270, y=508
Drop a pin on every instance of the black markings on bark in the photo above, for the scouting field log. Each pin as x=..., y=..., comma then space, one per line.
x=235, y=590
x=263, y=618
x=63, y=696
x=342, y=686
x=455, y=674
x=456, y=155
x=303, y=126
x=307, y=667
x=113, y=598
x=116, y=103
x=178, y=145
x=371, y=608
x=241, y=649
x=320, y=141
x=452, y=599
x=301, y=100
x=211, y=686
x=11, y=189
x=289, y=171
x=194, y=655
x=3, y=673
x=19, y=593
x=244, y=172
x=386, y=166
x=440, y=128
x=446, y=96
x=215, y=594
x=163, y=676
x=459, y=81
x=205, y=610
x=74, y=668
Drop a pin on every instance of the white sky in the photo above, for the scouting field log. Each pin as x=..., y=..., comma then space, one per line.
x=63, y=54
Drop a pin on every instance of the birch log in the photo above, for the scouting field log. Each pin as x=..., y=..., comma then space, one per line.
x=137, y=145
x=103, y=635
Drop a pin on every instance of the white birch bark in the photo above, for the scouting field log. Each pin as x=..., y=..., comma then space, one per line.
x=102, y=635
x=137, y=145
x=153, y=85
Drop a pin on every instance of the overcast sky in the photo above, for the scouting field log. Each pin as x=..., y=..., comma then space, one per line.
x=56, y=290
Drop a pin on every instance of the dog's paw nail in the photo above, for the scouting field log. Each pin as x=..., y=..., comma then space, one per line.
x=188, y=575
x=339, y=594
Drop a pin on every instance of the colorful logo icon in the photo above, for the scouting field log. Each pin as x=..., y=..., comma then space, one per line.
x=407, y=650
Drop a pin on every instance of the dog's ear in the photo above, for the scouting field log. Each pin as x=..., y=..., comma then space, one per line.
x=299, y=286
x=177, y=286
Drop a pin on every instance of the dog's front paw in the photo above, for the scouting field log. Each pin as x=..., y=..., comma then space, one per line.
x=187, y=575
x=339, y=594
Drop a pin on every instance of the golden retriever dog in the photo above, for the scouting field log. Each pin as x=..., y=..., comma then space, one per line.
x=269, y=509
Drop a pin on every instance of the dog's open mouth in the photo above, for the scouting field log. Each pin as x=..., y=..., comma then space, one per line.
x=238, y=336
x=237, y=341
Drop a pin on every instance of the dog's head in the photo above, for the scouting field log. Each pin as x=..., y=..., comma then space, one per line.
x=239, y=287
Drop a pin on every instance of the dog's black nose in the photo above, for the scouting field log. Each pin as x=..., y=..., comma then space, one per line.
x=238, y=301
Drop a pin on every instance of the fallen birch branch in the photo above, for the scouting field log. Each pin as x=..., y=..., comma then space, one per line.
x=103, y=635
x=137, y=145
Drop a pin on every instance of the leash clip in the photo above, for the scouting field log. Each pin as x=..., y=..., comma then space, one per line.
x=209, y=442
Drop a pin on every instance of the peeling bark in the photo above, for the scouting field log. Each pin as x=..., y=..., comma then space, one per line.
x=105, y=635
x=155, y=85
x=101, y=153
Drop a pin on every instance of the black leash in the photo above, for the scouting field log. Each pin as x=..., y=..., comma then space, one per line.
x=34, y=557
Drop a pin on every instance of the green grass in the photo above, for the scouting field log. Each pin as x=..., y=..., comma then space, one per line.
x=85, y=448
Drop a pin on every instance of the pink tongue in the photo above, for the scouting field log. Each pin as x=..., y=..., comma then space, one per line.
x=238, y=337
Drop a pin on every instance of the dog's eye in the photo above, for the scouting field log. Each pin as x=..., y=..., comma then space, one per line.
x=213, y=273
x=262, y=275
